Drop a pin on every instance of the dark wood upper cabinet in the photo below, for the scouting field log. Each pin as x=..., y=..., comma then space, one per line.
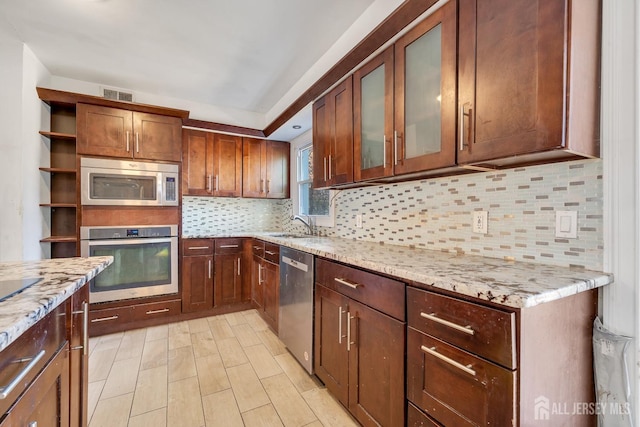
x=112, y=132
x=212, y=164
x=333, y=136
x=265, y=168
x=528, y=81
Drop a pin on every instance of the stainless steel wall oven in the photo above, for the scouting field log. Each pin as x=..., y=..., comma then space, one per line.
x=145, y=260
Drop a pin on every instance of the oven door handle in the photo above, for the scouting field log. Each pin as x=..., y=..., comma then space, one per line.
x=130, y=241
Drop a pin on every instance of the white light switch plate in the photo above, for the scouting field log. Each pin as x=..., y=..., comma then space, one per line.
x=567, y=224
x=480, y=219
x=359, y=221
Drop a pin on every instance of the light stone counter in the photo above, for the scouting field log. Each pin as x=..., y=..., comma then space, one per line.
x=509, y=283
x=61, y=277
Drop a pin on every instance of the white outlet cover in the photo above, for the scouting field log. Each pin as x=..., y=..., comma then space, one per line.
x=567, y=224
x=480, y=219
x=358, y=221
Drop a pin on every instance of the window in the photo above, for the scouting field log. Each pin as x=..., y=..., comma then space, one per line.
x=306, y=200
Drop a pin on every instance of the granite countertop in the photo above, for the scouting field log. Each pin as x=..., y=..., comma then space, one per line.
x=61, y=277
x=509, y=283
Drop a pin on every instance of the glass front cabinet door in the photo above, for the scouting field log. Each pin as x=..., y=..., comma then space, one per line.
x=405, y=102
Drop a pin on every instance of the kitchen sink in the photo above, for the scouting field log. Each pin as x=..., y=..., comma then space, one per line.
x=289, y=235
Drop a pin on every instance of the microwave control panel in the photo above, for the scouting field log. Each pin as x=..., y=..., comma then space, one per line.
x=170, y=188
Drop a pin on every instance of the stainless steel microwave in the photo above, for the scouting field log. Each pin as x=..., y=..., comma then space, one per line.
x=110, y=182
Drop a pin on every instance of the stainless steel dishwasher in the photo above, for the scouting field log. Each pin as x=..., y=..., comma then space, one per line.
x=296, y=304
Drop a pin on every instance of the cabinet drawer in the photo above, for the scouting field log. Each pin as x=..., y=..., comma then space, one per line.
x=381, y=293
x=257, y=248
x=197, y=247
x=272, y=253
x=156, y=309
x=107, y=316
x=457, y=388
x=37, y=345
x=416, y=418
x=481, y=330
x=228, y=246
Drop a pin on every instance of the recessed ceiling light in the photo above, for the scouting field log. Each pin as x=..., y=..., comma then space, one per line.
x=297, y=127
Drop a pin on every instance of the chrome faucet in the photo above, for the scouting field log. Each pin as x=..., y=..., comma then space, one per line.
x=308, y=223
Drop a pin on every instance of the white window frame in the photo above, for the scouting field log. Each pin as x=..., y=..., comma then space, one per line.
x=301, y=142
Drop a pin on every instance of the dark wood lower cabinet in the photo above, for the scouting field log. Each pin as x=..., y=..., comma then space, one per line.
x=228, y=279
x=197, y=283
x=359, y=355
x=265, y=281
x=78, y=334
x=271, y=285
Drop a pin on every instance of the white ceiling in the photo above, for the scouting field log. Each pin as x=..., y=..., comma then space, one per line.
x=240, y=54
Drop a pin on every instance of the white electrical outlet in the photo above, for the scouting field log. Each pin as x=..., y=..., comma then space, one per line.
x=358, y=220
x=567, y=224
x=480, y=219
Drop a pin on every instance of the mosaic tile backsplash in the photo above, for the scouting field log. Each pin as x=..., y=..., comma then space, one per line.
x=436, y=214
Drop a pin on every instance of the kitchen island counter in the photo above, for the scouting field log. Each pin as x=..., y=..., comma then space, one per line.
x=60, y=278
x=510, y=283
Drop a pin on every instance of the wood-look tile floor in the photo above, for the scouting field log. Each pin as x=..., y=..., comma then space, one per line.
x=227, y=370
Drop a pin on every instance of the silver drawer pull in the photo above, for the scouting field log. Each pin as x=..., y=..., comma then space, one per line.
x=257, y=247
x=466, y=329
x=228, y=246
x=162, y=310
x=349, y=284
x=432, y=351
x=269, y=252
x=104, y=319
x=6, y=390
x=196, y=248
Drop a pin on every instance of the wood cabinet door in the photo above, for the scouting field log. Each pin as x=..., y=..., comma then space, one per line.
x=79, y=358
x=277, y=170
x=46, y=401
x=227, y=165
x=104, y=131
x=321, y=142
x=197, y=283
x=425, y=94
x=271, y=286
x=157, y=137
x=340, y=162
x=197, y=163
x=257, y=280
x=228, y=279
x=254, y=153
x=376, y=344
x=331, y=359
x=373, y=118
x=511, y=77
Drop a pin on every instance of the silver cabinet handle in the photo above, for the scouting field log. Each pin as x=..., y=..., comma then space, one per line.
x=85, y=328
x=197, y=248
x=209, y=185
x=162, y=310
x=384, y=151
x=137, y=142
x=461, y=131
x=33, y=424
x=215, y=179
x=238, y=266
x=6, y=390
x=259, y=274
x=257, y=247
x=104, y=319
x=395, y=146
x=127, y=141
x=340, y=324
x=466, y=329
x=349, y=342
x=330, y=175
x=324, y=161
x=268, y=186
x=269, y=252
x=349, y=284
x=228, y=246
x=432, y=351
x=262, y=186
x=210, y=269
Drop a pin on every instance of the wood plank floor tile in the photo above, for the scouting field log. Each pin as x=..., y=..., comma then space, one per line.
x=271, y=341
x=113, y=412
x=100, y=363
x=122, y=378
x=291, y=407
x=181, y=363
x=154, y=353
x=245, y=335
x=151, y=390
x=179, y=327
x=247, y=388
x=255, y=321
x=235, y=318
x=157, y=332
x=220, y=328
x=110, y=341
x=95, y=389
x=184, y=406
x=327, y=409
x=296, y=373
x=220, y=409
x=231, y=352
x=211, y=374
x=264, y=416
x=262, y=361
x=198, y=325
x=131, y=345
x=157, y=418
x=179, y=339
x=203, y=344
